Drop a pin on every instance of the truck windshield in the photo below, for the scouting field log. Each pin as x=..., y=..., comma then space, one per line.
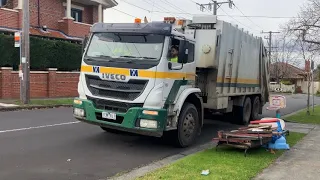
x=122, y=45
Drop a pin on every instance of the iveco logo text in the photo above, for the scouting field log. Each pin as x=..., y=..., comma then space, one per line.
x=118, y=77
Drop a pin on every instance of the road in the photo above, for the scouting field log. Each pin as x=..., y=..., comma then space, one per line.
x=50, y=144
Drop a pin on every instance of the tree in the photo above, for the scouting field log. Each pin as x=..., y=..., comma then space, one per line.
x=284, y=56
x=305, y=30
x=308, y=23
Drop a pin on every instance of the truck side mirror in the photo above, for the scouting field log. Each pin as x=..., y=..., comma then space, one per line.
x=84, y=43
x=183, y=54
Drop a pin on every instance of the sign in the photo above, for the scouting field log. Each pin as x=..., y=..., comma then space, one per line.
x=277, y=102
x=17, y=39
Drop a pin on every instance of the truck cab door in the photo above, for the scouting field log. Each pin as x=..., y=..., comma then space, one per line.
x=181, y=73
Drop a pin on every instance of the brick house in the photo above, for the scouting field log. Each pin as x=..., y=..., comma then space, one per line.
x=62, y=19
x=54, y=19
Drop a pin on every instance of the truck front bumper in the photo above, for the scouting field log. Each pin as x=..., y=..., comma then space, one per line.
x=85, y=111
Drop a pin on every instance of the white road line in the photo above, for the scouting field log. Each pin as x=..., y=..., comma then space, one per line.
x=38, y=127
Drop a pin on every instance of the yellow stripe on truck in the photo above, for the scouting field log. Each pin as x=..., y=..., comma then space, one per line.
x=141, y=73
x=120, y=71
x=237, y=80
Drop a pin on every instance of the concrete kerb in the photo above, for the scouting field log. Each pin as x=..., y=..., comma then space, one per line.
x=20, y=108
x=141, y=171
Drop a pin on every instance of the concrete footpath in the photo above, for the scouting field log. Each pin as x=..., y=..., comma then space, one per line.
x=302, y=161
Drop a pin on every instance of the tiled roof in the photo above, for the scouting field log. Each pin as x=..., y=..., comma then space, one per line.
x=48, y=33
x=286, y=71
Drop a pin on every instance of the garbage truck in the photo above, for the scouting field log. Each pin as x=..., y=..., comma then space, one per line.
x=161, y=78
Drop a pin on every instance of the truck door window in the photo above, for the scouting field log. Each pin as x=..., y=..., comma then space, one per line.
x=174, y=50
x=190, y=49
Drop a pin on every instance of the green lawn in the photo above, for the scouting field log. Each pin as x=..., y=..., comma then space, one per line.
x=48, y=102
x=302, y=116
x=226, y=163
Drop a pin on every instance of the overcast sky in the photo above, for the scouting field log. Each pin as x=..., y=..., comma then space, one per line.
x=269, y=8
x=273, y=8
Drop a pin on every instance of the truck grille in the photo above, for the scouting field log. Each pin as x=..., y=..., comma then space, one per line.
x=117, y=90
x=112, y=105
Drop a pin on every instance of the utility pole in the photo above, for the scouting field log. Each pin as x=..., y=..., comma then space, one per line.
x=270, y=42
x=25, y=58
x=270, y=51
x=214, y=6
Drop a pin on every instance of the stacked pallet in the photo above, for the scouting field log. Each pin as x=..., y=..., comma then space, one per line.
x=246, y=137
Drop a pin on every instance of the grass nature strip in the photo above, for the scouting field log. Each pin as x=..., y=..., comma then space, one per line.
x=302, y=116
x=226, y=163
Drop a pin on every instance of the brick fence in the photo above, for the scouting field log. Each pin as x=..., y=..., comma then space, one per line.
x=43, y=84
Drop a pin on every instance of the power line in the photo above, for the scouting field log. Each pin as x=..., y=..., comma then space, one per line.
x=145, y=8
x=124, y=12
x=237, y=16
x=137, y=6
x=271, y=17
x=237, y=20
x=174, y=6
x=246, y=17
x=160, y=8
x=199, y=5
x=253, y=16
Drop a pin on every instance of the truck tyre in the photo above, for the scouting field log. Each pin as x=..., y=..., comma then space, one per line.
x=188, y=126
x=247, y=108
x=255, y=108
x=242, y=114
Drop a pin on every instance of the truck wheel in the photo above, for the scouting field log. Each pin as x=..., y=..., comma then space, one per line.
x=188, y=125
x=242, y=114
x=114, y=131
x=247, y=107
x=255, y=108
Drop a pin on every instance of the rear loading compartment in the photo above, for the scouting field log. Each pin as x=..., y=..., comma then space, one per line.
x=237, y=72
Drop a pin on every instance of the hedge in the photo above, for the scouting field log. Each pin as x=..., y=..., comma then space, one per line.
x=44, y=53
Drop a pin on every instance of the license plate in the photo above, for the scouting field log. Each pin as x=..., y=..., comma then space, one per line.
x=108, y=115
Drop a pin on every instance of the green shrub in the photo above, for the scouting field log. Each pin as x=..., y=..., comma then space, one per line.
x=286, y=82
x=44, y=54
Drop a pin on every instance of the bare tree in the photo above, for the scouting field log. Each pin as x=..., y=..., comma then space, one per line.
x=307, y=54
x=283, y=56
x=308, y=22
x=305, y=30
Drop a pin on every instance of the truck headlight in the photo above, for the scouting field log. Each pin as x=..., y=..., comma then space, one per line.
x=144, y=123
x=78, y=112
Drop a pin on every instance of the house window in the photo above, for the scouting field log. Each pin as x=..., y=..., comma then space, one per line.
x=76, y=14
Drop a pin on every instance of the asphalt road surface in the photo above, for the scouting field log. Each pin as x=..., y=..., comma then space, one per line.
x=50, y=144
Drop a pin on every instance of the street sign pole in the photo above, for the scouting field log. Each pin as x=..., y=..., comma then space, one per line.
x=17, y=44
